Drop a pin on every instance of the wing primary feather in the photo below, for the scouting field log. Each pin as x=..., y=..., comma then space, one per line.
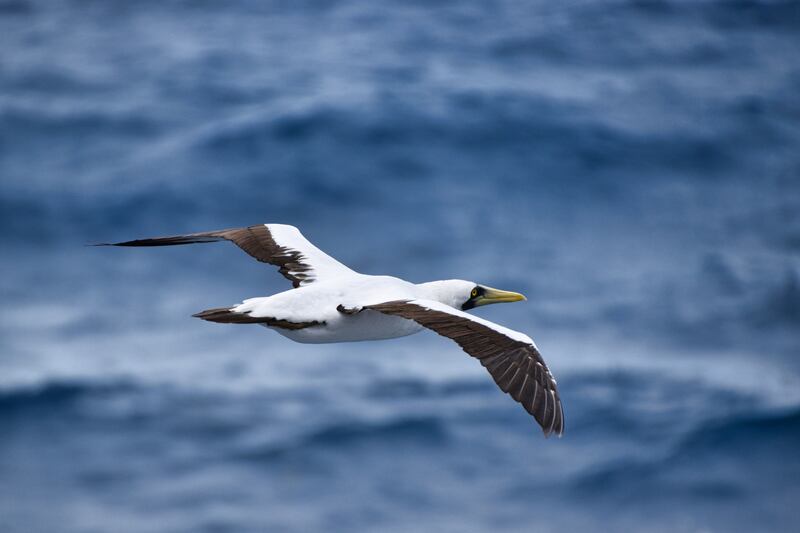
x=512, y=359
x=297, y=260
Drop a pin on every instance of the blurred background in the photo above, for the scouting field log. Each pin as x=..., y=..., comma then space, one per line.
x=633, y=167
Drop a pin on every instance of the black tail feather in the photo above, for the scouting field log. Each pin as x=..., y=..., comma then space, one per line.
x=224, y=315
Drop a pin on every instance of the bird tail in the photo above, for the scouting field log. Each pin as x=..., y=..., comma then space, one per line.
x=225, y=315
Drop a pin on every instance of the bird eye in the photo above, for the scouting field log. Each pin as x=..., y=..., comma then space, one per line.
x=474, y=292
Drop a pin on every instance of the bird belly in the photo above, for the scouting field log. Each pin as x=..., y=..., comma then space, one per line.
x=366, y=325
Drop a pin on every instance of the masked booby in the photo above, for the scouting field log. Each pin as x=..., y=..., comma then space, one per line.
x=332, y=303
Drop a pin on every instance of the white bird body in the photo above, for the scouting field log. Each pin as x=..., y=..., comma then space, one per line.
x=332, y=303
x=365, y=326
x=318, y=302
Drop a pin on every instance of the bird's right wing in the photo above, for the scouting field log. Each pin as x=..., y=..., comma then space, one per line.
x=277, y=244
x=510, y=357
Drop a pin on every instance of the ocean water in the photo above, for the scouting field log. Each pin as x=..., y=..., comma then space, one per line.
x=632, y=167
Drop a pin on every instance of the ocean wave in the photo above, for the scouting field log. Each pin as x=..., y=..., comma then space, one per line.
x=463, y=119
x=15, y=7
x=706, y=461
x=74, y=123
x=742, y=432
x=427, y=430
x=399, y=389
x=54, y=395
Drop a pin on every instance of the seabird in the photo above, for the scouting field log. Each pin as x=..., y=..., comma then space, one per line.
x=332, y=303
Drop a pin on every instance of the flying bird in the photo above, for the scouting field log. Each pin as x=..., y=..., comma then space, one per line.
x=329, y=302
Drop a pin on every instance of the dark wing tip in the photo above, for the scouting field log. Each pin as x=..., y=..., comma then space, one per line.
x=557, y=426
x=126, y=243
x=256, y=241
x=167, y=241
x=516, y=367
x=164, y=241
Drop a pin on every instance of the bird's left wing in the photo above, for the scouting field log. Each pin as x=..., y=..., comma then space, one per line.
x=510, y=357
x=277, y=244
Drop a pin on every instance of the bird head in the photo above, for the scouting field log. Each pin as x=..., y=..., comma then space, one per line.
x=482, y=295
x=467, y=295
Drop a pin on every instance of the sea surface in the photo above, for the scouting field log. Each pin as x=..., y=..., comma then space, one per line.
x=633, y=167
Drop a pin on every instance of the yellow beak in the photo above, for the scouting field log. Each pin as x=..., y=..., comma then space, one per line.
x=496, y=296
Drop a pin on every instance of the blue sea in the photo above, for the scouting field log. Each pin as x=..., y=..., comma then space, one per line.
x=633, y=167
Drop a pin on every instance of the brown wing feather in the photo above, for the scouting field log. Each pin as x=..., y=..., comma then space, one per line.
x=516, y=367
x=256, y=240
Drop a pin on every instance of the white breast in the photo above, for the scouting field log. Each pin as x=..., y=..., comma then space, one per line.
x=364, y=326
x=318, y=302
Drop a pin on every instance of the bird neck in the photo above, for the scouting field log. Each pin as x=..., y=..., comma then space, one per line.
x=449, y=292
